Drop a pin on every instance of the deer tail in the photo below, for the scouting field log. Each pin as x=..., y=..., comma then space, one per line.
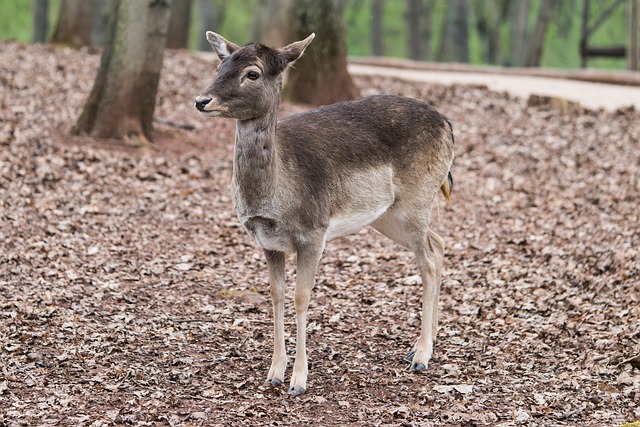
x=447, y=187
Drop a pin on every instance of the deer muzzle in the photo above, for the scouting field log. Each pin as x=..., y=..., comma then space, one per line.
x=209, y=105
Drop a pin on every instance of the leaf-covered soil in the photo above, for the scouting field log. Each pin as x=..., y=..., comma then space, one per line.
x=129, y=294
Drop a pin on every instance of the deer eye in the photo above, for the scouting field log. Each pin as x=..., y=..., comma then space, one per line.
x=253, y=75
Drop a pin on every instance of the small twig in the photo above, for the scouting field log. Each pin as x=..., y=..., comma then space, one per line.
x=173, y=319
x=191, y=396
x=171, y=123
x=634, y=360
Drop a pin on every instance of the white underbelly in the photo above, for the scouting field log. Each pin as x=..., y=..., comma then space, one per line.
x=368, y=195
x=341, y=225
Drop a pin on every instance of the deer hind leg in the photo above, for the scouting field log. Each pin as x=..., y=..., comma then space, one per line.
x=275, y=263
x=307, y=264
x=430, y=258
x=429, y=250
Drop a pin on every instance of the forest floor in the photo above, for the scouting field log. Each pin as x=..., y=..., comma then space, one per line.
x=130, y=294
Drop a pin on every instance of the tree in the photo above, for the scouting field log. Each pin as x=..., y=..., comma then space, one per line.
x=425, y=31
x=272, y=23
x=122, y=100
x=536, y=41
x=74, y=23
x=489, y=19
x=454, y=41
x=179, y=22
x=418, y=17
x=377, y=47
x=211, y=15
x=40, y=20
x=633, y=51
x=413, y=28
x=321, y=76
x=518, y=34
x=100, y=20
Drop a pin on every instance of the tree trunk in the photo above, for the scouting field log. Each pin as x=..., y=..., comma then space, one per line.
x=633, y=51
x=454, y=43
x=488, y=25
x=40, y=20
x=122, y=100
x=534, y=47
x=414, y=9
x=418, y=17
x=211, y=15
x=425, y=32
x=377, y=8
x=179, y=21
x=100, y=21
x=519, y=19
x=271, y=22
x=74, y=23
x=320, y=77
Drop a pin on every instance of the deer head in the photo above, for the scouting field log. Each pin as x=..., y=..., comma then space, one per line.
x=249, y=78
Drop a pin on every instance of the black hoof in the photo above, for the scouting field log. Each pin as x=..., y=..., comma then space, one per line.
x=274, y=382
x=409, y=357
x=296, y=391
x=417, y=367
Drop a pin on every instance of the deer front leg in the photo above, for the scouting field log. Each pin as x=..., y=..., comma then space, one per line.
x=307, y=263
x=275, y=263
x=430, y=259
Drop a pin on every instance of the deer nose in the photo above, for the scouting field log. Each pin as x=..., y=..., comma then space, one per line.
x=201, y=102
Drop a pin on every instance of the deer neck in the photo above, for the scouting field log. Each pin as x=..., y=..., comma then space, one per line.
x=255, y=163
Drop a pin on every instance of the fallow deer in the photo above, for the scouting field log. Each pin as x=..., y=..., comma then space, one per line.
x=308, y=178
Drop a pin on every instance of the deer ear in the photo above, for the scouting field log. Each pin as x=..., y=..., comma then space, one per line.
x=221, y=46
x=295, y=50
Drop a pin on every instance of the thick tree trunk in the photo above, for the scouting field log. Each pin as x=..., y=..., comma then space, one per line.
x=454, y=43
x=320, y=77
x=519, y=20
x=40, y=20
x=100, y=21
x=210, y=15
x=488, y=24
x=425, y=32
x=179, y=22
x=413, y=18
x=536, y=42
x=418, y=17
x=74, y=23
x=122, y=100
x=272, y=22
x=377, y=46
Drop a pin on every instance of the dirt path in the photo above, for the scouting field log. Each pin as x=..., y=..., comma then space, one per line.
x=590, y=95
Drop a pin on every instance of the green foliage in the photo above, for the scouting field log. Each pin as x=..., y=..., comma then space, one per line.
x=15, y=20
x=357, y=20
x=561, y=49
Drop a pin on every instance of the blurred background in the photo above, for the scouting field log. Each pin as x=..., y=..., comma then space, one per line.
x=536, y=33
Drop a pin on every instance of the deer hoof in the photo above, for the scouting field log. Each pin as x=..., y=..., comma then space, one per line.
x=409, y=356
x=418, y=367
x=295, y=391
x=274, y=382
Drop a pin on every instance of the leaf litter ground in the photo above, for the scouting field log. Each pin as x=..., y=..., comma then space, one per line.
x=130, y=294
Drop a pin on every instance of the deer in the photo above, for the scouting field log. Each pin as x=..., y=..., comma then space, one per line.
x=306, y=179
